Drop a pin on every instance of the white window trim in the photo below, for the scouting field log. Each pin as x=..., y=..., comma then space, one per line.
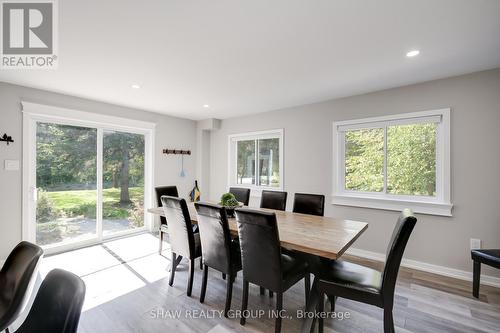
x=33, y=113
x=232, y=158
x=439, y=205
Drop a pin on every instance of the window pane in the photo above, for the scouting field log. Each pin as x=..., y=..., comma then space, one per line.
x=364, y=160
x=245, y=165
x=411, y=159
x=66, y=158
x=123, y=182
x=269, y=171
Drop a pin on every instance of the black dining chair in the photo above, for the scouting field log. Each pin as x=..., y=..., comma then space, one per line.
x=490, y=257
x=360, y=283
x=183, y=241
x=273, y=200
x=264, y=264
x=219, y=251
x=57, y=305
x=241, y=194
x=18, y=271
x=170, y=191
x=311, y=204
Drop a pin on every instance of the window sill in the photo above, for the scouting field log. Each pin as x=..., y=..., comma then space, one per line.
x=422, y=207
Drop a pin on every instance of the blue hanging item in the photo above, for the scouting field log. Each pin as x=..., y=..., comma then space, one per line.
x=183, y=174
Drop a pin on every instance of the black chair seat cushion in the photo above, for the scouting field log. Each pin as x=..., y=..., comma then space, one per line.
x=342, y=278
x=488, y=257
x=293, y=269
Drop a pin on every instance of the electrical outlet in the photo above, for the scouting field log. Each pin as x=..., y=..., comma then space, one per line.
x=475, y=243
x=11, y=165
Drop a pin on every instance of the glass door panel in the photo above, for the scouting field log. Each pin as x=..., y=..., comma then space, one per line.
x=123, y=182
x=66, y=174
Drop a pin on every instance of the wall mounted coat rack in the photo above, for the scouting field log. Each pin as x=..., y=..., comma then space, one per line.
x=176, y=152
x=6, y=138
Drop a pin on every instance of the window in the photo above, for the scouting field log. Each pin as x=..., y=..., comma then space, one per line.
x=256, y=160
x=395, y=162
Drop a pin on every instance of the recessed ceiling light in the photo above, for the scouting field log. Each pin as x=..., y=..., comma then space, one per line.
x=413, y=53
x=206, y=105
x=136, y=86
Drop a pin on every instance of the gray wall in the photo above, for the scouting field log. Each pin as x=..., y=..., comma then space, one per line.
x=170, y=132
x=475, y=161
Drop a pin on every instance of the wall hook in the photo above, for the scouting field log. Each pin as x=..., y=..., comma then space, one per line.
x=6, y=138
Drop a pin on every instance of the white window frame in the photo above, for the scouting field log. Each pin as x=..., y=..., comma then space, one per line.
x=33, y=113
x=233, y=157
x=438, y=205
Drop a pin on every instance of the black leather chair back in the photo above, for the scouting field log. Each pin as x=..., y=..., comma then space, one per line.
x=180, y=228
x=15, y=277
x=273, y=200
x=312, y=204
x=214, y=236
x=57, y=305
x=260, y=247
x=241, y=194
x=400, y=235
x=171, y=191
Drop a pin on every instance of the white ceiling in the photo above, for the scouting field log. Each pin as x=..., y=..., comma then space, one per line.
x=243, y=57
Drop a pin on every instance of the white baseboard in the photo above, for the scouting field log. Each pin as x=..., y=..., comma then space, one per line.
x=430, y=268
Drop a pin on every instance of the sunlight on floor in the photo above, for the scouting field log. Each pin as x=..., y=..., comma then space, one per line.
x=81, y=262
x=113, y=269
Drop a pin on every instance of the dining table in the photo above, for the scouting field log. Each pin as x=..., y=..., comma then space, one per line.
x=322, y=236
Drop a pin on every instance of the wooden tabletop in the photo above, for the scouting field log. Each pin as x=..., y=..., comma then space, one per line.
x=326, y=237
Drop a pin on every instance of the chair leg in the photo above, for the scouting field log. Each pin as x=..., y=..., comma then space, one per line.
x=321, y=309
x=160, y=248
x=279, y=307
x=307, y=286
x=172, y=269
x=191, y=276
x=244, y=302
x=332, y=300
x=388, y=321
x=309, y=323
x=262, y=290
x=229, y=294
x=476, y=279
x=204, y=284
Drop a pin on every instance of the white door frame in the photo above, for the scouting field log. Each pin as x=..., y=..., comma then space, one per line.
x=33, y=113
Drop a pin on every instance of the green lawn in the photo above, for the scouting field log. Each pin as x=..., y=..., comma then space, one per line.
x=83, y=202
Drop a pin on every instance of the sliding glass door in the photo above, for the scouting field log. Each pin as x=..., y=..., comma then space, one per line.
x=123, y=182
x=85, y=182
x=66, y=183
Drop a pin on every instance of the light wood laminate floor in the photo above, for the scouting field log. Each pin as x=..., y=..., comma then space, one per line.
x=128, y=291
